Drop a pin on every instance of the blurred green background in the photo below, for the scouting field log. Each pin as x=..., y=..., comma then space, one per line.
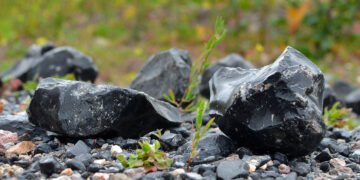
x=121, y=34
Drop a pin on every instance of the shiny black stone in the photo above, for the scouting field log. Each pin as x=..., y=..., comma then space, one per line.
x=80, y=109
x=277, y=108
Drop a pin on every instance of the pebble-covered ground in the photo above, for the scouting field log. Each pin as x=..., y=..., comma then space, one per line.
x=32, y=153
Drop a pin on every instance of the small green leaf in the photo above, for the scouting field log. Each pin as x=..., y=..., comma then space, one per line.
x=146, y=147
x=133, y=156
x=200, y=113
x=207, y=126
x=163, y=164
x=168, y=98
x=172, y=95
x=121, y=158
x=219, y=25
x=140, y=153
x=158, y=133
x=157, y=145
x=135, y=163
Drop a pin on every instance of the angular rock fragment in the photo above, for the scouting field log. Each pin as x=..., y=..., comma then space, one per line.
x=212, y=147
x=353, y=101
x=158, y=175
x=7, y=137
x=16, y=123
x=277, y=108
x=335, y=146
x=78, y=149
x=168, y=70
x=47, y=61
x=75, y=164
x=355, y=156
x=301, y=168
x=232, y=60
x=330, y=97
x=257, y=161
x=343, y=88
x=49, y=165
x=80, y=109
x=284, y=169
x=172, y=140
x=324, y=155
x=232, y=169
x=20, y=148
x=42, y=148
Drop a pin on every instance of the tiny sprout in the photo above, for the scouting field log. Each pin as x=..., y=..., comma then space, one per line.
x=148, y=156
x=198, y=132
x=339, y=117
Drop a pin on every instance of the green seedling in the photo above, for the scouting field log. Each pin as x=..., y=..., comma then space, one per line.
x=339, y=117
x=158, y=133
x=191, y=94
x=198, y=132
x=148, y=156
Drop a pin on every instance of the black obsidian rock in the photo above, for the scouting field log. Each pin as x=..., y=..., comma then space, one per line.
x=78, y=149
x=277, y=108
x=232, y=60
x=330, y=97
x=212, y=147
x=353, y=101
x=16, y=123
x=80, y=109
x=47, y=61
x=343, y=88
x=49, y=165
x=168, y=70
x=232, y=169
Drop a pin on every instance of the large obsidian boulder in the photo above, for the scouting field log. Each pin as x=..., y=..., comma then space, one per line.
x=232, y=60
x=168, y=70
x=48, y=61
x=80, y=109
x=277, y=108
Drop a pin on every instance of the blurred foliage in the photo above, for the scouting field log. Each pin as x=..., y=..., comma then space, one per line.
x=121, y=34
x=339, y=117
x=191, y=94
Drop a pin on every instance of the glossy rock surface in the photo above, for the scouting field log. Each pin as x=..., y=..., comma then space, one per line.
x=168, y=70
x=353, y=101
x=330, y=98
x=232, y=60
x=47, y=61
x=277, y=108
x=212, y=147
x=79, y=109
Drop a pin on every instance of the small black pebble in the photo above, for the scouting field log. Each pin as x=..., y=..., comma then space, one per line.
x=325, y=166
x=94, y=168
